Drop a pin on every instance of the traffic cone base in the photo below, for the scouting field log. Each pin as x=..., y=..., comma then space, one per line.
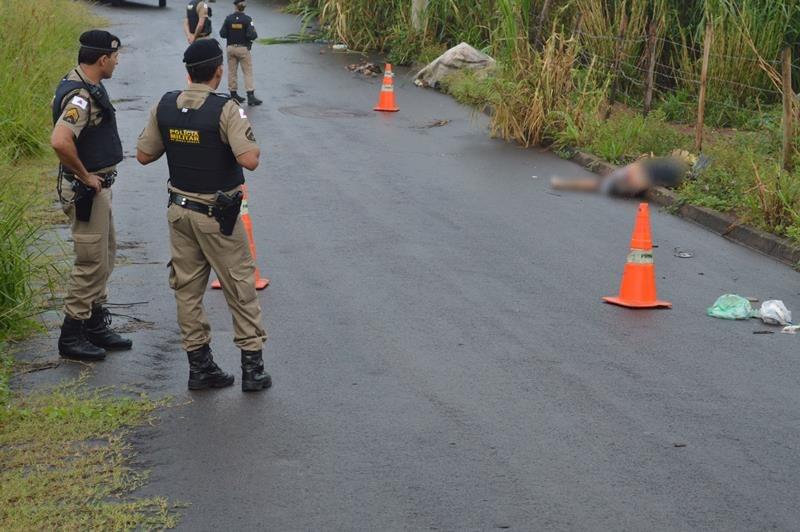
x=261, y=282
x=638, y=288
x=386, y=101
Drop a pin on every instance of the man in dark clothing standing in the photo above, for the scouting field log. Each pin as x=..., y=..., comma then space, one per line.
x=239, y=31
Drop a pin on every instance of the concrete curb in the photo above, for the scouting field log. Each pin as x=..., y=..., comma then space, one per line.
x=724, y=225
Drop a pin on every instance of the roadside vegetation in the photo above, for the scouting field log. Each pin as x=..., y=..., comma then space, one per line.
x=574, y=74
x=64, y=463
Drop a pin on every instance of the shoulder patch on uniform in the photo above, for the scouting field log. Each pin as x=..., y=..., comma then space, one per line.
x=80, y=102
x=71, y=116
x=241, y=113
x=250, y=135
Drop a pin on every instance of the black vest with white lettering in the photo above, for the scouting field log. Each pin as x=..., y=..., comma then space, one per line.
x=198, y=160
x=194, y=19
x=237, y=24
x=98, y=145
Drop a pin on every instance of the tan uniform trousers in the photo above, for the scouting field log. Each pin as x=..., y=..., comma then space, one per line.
x=197, y=246
x=240, y=55
x=95, y=251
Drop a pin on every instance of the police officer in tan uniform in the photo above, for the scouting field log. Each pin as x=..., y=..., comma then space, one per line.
x=197, y=24
x=208, y=139
x=240, y=32
x=86, y=141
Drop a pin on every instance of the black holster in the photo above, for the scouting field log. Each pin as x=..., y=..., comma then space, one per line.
x=83, y=200
x=226, y=210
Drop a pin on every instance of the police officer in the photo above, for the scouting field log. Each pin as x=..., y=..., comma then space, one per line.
x=208, y=139
x=240, y=33
x=197, y=24
x=86, y=141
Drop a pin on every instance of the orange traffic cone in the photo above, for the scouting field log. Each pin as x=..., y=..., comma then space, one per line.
x=638, y=288
x=261, y=282
x=386, y=102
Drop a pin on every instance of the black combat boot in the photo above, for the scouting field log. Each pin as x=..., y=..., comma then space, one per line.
x=251, y=98
x=100, y=334
x=73, y=343
x=235, y=96
x=254, y=378
x=204, y=372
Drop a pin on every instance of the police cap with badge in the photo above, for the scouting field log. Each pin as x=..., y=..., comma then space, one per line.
x=100, y=41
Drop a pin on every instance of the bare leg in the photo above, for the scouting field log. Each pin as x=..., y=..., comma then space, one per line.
x=583, y=184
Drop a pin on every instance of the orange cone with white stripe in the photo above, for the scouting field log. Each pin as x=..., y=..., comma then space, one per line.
x=638, y=288
x=261, y=282
x=386, y=101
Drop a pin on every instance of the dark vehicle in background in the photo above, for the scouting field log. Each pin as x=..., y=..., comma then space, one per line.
x=117, y=3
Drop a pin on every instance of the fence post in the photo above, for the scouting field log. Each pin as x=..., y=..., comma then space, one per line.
x=612, y=96
x=651, y=67
x=788, y=115
x=418, y=8
x=701, y=103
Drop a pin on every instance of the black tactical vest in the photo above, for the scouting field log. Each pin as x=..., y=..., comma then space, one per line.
x=198, y=160
x=237, y=28
x=98, y=145
x=194, y=18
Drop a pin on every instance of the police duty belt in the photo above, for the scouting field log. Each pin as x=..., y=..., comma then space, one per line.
x=107, y=178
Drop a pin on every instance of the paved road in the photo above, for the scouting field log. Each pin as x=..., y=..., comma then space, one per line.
x=442, y=360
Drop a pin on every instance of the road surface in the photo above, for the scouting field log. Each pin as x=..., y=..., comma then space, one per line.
x=441, y=356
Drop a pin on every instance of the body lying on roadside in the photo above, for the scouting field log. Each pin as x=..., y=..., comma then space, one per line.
x=634, y=179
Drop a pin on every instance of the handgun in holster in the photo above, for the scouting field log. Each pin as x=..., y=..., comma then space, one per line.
x=226, y=210
x=83, y=200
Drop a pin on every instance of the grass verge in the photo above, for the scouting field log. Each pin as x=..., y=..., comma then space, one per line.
x=66, y=465
x=64, y=460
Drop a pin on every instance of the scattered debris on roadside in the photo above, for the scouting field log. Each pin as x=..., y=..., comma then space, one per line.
x=292, y=38
x=365, y=68
x=735, y=307
x=460, y=57
x=791, y=329
x=731, y=307
x=339, y=47
x=432, y=124
x=683, y=254
x=774, y=312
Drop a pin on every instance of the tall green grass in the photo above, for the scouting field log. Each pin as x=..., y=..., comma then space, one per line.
x=38, y=45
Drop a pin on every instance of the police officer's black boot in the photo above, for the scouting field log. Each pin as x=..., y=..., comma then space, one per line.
x=254, y=378
x=251, y=98
x=100, y=334
x=72, y=342
x=235, y=96
x=204, y=372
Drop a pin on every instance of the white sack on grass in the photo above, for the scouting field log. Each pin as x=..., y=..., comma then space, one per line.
x=459, y=57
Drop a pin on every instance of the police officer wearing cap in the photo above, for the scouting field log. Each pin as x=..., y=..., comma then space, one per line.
x=197, y=24
x=208, y=139
x=240, y=32
x=86, y=141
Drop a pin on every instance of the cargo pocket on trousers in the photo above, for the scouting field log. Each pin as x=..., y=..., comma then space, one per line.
x=173, y=278
x=244, y=281
x=87, y=248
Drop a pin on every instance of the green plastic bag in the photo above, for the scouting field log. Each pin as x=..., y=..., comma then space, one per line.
x=731, y=307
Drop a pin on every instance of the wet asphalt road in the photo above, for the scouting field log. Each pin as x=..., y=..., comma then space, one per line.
x=442, y=360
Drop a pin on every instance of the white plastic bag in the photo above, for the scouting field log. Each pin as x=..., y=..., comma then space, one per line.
x=774, y=312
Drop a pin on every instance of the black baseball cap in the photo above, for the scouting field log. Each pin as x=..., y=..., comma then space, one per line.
x=100, y=40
